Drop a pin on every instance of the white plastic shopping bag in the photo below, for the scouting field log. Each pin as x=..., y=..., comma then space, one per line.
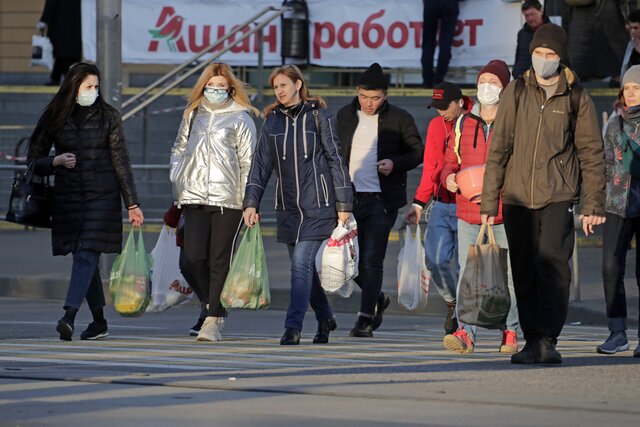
x=168, y=286
x=337, y=260
x=41, y=51
x=413, y=276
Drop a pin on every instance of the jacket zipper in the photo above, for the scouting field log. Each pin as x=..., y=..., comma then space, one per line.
x=275, y=143
x=295, y=168
x=325, y=190
x=535, y=153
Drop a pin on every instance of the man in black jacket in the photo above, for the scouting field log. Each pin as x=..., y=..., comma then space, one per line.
x=533, y=19
x=380, y=143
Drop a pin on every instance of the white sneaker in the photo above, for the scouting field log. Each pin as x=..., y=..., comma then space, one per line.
x=211, y=329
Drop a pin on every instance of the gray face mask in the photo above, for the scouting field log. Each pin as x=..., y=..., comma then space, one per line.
x=543, y=67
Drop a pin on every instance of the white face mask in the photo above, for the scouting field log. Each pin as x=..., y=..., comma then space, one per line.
x=488, y=94
x=543, y=67
x=87, y=97
x=216, y=95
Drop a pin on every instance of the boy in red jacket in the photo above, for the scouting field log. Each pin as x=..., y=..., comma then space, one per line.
x=441, y=246
x=468, y=146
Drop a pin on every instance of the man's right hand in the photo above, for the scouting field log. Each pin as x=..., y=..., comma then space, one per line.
x=41, y=26
x=487, y=219
x=452, y=185
x=413, y=215
x=251, y=217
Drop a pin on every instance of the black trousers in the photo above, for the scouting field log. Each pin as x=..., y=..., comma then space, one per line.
x=616, y=238
x=540, y=246
x=209, y=238
x=60, y=68
x=441, y=14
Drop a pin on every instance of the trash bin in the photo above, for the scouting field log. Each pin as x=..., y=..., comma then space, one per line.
x=294, y=29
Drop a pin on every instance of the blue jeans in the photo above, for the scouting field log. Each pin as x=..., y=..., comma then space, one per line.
x=85, y=281
x=467, y=235
x=374, y=224
x=305, y=285
x=441, y=247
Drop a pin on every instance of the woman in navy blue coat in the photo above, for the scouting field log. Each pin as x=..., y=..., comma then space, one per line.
x=313, y=191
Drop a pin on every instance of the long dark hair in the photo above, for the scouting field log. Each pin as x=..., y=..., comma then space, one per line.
x=61, y=106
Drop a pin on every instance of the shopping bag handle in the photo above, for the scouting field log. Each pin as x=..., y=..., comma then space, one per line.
x=488, y=230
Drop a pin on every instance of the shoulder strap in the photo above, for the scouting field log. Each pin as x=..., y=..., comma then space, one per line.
x=575, y=95
x=458, y=135
x=315, y=116
x=191, y=120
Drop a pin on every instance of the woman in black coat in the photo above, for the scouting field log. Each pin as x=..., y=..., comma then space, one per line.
x=92, y=172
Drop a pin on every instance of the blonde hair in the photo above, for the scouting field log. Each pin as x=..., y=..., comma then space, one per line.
x=236, y=88
x=294, y=74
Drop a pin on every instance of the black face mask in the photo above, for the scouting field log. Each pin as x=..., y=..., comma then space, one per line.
x=293, y=110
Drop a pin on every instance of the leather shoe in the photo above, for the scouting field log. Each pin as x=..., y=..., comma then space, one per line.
x=290, y=337
x=65, y=329
x=324, y=328
x=547, y=351
x=528, y=355
x=381, y=306
x=362, y=328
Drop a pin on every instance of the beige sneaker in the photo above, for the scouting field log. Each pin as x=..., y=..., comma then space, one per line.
x=211, y=329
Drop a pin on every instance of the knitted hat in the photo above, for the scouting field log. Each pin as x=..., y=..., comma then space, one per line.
x=373, y=78
x=498, y=68
x=443, y=94
x=632, y=75
x=552, y=37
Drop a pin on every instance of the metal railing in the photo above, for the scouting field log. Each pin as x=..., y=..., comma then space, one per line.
x=275, y=12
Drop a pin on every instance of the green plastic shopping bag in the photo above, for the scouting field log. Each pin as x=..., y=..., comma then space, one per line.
x=247, y=284
x=130, y=279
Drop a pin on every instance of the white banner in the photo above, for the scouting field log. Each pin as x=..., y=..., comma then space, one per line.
x=342, y=33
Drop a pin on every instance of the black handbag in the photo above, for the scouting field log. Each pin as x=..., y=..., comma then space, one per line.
x=31, y=199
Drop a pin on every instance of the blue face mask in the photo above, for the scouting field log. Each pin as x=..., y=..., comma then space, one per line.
x=216, y=95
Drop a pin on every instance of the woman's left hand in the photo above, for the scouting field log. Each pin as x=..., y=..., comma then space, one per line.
x=343, y=217
x=136, y=218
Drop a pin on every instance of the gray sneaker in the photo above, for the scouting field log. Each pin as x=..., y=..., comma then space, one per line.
x=616, y=342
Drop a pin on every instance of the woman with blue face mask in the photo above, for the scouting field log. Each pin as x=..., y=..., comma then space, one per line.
x=92, y=174
x=209, y=166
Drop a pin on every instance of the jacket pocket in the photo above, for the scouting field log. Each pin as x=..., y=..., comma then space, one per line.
x=325, y=190
x=567, y=167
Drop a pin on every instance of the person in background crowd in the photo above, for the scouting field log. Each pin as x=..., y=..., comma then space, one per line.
x=542, y=150
x=632, y=53
x=468, y=146
x=92, y=170
x=210, y=162
x=534, y=17
x=173, y=218
x=441, y=242
x=60, y=20
x=622, y=213
x=380, y=143
x=313, y=191
x=439, y=18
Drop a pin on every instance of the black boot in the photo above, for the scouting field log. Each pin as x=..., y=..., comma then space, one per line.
x=362, y=328
x=65, y=325
x=290, y=337
x=530, y=354
x=381, y=306
x=548, y=352
x=324, y=328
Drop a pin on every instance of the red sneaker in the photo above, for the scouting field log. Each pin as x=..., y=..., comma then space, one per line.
x=509, y=342
x=458, y=342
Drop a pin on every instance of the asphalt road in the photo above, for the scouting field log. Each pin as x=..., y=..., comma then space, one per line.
x=150, y=373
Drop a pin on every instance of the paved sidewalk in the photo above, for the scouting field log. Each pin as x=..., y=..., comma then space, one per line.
x=28, y=270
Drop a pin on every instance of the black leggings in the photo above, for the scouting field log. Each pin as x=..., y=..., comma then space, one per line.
x=209, y=238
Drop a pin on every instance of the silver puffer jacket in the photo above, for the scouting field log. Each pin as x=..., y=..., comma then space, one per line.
x=210, y=165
